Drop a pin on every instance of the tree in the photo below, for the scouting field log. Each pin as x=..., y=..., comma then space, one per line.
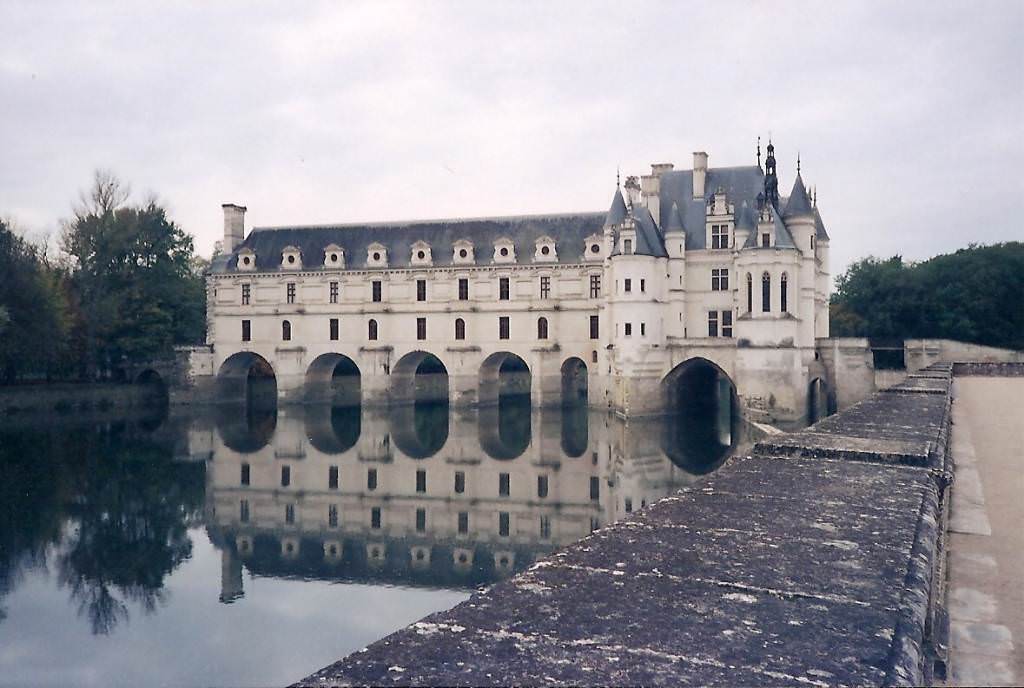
x=135, y=277
x=972, y=295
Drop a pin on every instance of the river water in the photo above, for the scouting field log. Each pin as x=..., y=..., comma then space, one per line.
x=246, y=546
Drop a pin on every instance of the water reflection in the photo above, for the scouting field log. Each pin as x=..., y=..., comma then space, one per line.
x=108, y=515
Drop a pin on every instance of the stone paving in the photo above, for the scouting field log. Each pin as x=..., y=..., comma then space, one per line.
x=814, y=561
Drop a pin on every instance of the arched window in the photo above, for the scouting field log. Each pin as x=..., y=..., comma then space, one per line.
x=750, y=293
x=542, y=328
x=371, y=330
x=766, y=292
x=286, y=331
x=460, y=328
x=783, y=302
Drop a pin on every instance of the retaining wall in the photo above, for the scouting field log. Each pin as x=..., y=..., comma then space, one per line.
x=818, y=559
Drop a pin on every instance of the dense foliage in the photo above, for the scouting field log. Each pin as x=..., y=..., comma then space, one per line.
x=127, y=288
x=972, y=295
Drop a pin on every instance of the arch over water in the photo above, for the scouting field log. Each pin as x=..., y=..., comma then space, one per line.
x=419, y=376
x=333, y=429
x=575, y=428
x=505, y=428
x=574, y=382
x=420, y=430
x=334, y=379
x=247, y=376
x=702, y=425
x=503, y=374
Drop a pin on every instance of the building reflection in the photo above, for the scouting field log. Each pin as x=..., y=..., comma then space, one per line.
x=426, y=496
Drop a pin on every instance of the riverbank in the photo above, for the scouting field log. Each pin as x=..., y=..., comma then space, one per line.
x=22, y=402
x=817, y=559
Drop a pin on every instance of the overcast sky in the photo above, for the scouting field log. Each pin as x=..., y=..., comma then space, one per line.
x=909, y=117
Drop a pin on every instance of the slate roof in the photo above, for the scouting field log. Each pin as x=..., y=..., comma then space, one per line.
x=740, y=184
x=783, y=237
x=569, y=232
x=617, y=212
x=798, y=205
x=674, y=223
x=819, y=226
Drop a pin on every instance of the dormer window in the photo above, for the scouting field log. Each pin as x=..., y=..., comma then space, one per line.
x=462, y=252
x=719, y=236
x=376, y=255
x=246, y=259
x=334, y=257
x=592, y=248
x=766, y=239
x=291, y=258
x=421, y=254
x=627, y=246
x=504, y=251
x=545, y=251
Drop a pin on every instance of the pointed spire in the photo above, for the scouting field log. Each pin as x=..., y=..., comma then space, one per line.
x=617, y=177
x=759, y=151
x=675, y=220
x=798, y=162
x=815, y=196
x=617, y=212
x=799, y=203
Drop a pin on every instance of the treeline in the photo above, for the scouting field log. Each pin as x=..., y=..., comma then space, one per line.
x=125, y=287
x=973, y=295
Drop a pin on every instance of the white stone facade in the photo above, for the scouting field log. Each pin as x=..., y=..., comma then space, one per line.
x=628, y=296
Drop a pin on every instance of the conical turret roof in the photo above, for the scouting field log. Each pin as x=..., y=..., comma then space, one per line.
x=675, y=220
x=617, y=212
x=799, y=203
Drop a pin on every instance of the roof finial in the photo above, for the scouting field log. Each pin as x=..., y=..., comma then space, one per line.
x=798, y=162
x=758, y=151
x=617, y=177
x=815, y=195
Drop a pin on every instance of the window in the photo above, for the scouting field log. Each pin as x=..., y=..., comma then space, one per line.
x=334, y=329
x=286, y=476
x=463, y=289
x=371, y=330
x=332, y=516
x=286, y=331
x=595, y=286
x=290, y=292
x=594, y=524
x=812, y=242
x=643, y=329
x=719, y=236
x=726, y=323
x=628, y=504
x=594, y=327
x=545, y=527
x=545, y=287
x=460, y=328
x=246, y=330
x=766, y=293
x=627, y=285
x=629, y=329
x=246, y=294
x=245, y=474
x=503, y=485
x=421, y=481
x=503, y=327
x=421, y=520
x=334, y=292
x=421, y=328
x=371, y=478
x=593, y=356
x=503, y=523
x=783, y=296
x=375, y=518
x=719, y=279
x=243, y=511
x=542, y=328
x=713, y=323
x=595, y=488
x=289, y=514
x=750, y=293
x=375, y=287
x=542, y=486
x=460, y=482
x=643, y=285
x=503, y=288
x=766, y=240
x=421, y=290
x=627, y=245
x=463, y=522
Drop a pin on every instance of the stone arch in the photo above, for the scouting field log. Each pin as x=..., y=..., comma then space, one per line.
x=704, y=421
x=503, y=374
x=335, y=379
x=419, y=376
x=333, y=429
x=575, y=386
x=246, y=376
x=817, y=400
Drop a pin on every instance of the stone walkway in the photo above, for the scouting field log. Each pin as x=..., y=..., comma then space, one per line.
x=986, y=547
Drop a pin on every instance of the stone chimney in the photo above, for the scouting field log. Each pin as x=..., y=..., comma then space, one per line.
x=700, y=173
x=650, y=188
x=234, y=226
